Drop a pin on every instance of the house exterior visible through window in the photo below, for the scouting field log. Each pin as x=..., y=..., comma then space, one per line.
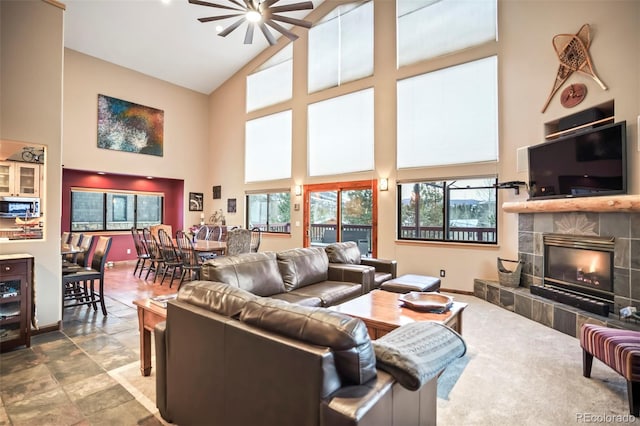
x=93, y=210
x=456, y=210
x=271, y=211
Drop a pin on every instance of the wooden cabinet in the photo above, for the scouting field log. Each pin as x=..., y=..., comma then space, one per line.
x=16, y=284
x=19, y=179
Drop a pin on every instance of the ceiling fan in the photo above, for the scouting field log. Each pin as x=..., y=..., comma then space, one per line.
x=260, y=13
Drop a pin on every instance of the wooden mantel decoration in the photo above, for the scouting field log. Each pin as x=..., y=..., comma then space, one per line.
x=619, y=204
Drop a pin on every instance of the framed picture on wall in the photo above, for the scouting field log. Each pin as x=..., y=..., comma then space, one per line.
x=217, y=192
x=196, y=201
x=231, y=205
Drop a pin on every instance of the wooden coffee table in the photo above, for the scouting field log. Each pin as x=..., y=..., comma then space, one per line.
x=382, y=312
x=149, y=315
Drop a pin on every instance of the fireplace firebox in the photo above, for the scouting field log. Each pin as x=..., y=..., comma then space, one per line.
x=578, y=270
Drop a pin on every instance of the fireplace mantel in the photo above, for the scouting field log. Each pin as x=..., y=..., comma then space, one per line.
x=620, y=203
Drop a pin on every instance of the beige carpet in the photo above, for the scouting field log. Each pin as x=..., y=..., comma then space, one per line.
x=516, y=371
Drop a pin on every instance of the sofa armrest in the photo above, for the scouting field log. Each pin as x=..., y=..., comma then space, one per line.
x=360, y=274
x=367, y=404
x=382, y=265
x=159, y=334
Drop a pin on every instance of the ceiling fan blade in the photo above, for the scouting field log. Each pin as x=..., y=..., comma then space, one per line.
x=285, y=32
x=231, y=27
x=267, y=34
x=294, y=21
x=238, y=3
x=217, y=18
x=292, y=7
x=220, y=6
x=248, y=36
x=267, y=3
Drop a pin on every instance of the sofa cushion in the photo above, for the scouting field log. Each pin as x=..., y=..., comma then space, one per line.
x=346, y=252
x=255, y=272
x=303, y=266
x=299, y=299
x=215, y=297
x=346, y=336
x=330, y=292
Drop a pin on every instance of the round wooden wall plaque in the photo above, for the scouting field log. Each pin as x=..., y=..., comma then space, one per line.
x=572, y=95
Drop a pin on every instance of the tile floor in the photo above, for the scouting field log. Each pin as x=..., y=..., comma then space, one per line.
x=64, y=377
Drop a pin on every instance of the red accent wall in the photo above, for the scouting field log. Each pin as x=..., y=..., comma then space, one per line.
x=173, y=190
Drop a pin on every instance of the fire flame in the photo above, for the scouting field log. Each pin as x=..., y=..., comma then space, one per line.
x=592, y=268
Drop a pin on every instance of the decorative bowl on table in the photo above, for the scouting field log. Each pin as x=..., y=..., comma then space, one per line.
x=427, y=301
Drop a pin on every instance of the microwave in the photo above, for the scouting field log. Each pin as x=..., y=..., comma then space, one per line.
x=26, y=207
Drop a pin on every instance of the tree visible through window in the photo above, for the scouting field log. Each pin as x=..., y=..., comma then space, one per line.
x=456, y=210
x=271, y=212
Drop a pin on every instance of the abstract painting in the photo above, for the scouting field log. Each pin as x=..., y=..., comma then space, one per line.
x=129, y=127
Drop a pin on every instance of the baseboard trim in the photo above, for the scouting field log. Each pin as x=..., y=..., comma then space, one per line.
x=448, y=290
x=48, y=329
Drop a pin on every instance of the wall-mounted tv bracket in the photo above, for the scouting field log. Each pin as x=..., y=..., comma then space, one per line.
x=512, y=184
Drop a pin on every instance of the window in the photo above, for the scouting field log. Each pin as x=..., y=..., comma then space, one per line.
x=272, y=81
x=271, y=212
x=462, y=210
x=430, y=28
x=341, y=47
x=267, y=151
x=449, y=116
x=114, y=211
x=340, y=134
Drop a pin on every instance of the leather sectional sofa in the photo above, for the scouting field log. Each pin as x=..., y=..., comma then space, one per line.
x=303, y=276
x=226, y=356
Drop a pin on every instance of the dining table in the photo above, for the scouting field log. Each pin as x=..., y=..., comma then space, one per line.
x=218, y=247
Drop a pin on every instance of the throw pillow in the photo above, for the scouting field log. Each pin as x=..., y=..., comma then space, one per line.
x=417, y=352
x=346, y=252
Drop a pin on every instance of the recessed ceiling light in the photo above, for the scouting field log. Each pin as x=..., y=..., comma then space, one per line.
x=218, y=28
x=149, y=177
x=101, y=173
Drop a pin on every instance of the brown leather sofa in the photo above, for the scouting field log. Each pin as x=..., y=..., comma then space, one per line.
x=348, y=253
x=303, y=276
x=225, y=356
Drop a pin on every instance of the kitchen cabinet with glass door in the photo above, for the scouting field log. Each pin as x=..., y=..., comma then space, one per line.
x=19, y=179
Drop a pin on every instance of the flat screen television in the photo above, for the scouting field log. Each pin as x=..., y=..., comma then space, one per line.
x=586, y=163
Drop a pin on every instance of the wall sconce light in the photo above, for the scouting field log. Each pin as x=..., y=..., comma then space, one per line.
x=384, y=184
x=298, y=190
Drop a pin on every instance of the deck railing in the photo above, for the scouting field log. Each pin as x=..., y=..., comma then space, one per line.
x=455, y=233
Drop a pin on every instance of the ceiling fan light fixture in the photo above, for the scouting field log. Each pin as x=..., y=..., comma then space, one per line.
x=253, y=16
x=259, y=14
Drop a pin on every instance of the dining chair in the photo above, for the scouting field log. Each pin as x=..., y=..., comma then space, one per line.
x=190, y=260
x=170, y=255
x=64, y=238
x=74, y=240
x=256, y=237
x=215, y=233
x=156, y=259
x=79, y=287
x=83, y=258
x=238, y=241
x=141, y=250
x=202, y=233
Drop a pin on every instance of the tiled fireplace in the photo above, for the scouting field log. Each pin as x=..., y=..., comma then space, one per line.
x=622, y=229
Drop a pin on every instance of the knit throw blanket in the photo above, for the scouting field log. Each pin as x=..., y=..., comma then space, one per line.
x=417, y=352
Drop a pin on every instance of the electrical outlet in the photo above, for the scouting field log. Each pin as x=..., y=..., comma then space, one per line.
x=128, y=251
x=442, y=273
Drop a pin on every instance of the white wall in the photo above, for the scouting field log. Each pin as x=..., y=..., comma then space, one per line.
x=527, y=69
x=186, y=145
x=31, y=111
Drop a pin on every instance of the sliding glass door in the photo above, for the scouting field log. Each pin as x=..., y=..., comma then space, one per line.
x=344, y=211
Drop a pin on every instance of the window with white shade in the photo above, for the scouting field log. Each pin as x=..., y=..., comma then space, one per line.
x=341, y=46
x=430, y=28
x=268, y=147
x=340, y=134
x=272, y=81
x=449, y=116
